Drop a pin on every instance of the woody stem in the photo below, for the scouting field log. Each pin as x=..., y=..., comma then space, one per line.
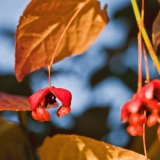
x=49, y=76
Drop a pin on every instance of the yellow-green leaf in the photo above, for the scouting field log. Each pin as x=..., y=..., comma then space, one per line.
x=156, y=32
x=74, y=147
x=42, y=24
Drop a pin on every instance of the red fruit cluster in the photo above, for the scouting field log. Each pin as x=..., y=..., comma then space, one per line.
x=46, y=98
x=148, y=99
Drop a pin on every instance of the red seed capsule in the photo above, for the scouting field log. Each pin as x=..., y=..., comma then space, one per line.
x=139, y=130
x=41, y=114
x=134, y=119
x=46, y=98
x=142, y=119
x=134, y=105
x=132, y=130
x=152, y=119
x=135, y=130
x=62, y=111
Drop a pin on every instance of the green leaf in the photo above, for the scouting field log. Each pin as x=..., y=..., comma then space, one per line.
x=42, y=25
x=74, y=147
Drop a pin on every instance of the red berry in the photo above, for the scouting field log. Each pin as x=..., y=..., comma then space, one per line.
x=142, y=119
x=132, y=130
x=41, y=114
x=63, y=110
x=139, y=130
x=135, y=130
x=134, y=119
x=152, y=119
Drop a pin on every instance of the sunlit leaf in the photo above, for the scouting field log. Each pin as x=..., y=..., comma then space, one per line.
x=42, y=24
x=62, y=147
x=14, y=144
x=13, y=102
x=156, y=32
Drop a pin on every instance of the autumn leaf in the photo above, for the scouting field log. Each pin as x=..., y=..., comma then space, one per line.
x=156, y=32
x=13, y=102
x=42, y=24
x=62, y=147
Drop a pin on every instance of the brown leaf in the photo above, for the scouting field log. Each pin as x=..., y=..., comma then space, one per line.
x=156, y=32
x=14, y=103
x=62, y=147
x=42, y=24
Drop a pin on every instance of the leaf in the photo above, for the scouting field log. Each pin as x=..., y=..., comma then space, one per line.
x=156, y=32
x=153, y=151
x=14, y=144
x=42, y=24
x=62, y=147
x=13, y=102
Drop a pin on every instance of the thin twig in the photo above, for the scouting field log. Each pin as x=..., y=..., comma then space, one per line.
x=62, y=35
x=146, y=64
x=142, y=47
x=49, y=75
x=139, y=62
x=144, y=138
x=145, y=37
x=140, y=24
